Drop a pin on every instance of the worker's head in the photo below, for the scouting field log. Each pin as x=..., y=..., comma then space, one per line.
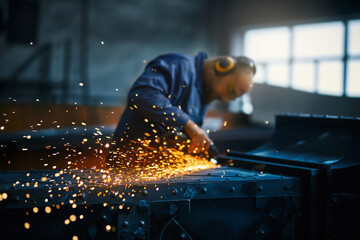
x=227, y=78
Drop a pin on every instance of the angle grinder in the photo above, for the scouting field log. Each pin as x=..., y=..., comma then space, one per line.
x=180, y=140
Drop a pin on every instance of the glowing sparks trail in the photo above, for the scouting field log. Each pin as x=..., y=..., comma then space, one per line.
x=173, y=164
x=142, y=162
x=137, y=165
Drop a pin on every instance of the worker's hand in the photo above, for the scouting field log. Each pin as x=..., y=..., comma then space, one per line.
x=199, y=141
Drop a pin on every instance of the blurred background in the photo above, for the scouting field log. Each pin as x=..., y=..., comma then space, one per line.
x=66, y=65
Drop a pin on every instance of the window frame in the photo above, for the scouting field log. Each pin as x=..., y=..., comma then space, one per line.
x=344, y=58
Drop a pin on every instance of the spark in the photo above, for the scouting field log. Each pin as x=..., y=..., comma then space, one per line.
x=108, y=228
x=27, y=225
x=4, y=196
x=48, y=209
x=72, y=218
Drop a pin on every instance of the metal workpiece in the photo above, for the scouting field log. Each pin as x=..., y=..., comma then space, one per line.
x=301, y=184
x=84, y=191
x=324, y=153
x=134, y=221
x=146, y=210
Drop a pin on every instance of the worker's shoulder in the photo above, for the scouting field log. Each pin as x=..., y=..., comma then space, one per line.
x=175, y=57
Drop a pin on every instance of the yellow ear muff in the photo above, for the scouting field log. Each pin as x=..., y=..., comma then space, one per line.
x=224, y=65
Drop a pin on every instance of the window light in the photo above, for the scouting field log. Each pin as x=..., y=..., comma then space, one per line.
x=330, y=78
x=303, y=76
x=269, y=43
x=353, y=79
x=319, y=40
x=354, y=37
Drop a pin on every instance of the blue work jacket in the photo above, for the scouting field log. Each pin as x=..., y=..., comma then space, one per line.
x=166, y=95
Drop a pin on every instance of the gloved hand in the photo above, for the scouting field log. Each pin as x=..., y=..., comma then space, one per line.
x=200, y=142
x=181, y=141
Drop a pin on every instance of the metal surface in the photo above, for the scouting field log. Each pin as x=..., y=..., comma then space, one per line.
x=301, y=184
x=157, y=209
x=324, y=152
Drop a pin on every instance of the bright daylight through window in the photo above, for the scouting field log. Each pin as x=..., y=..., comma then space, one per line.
x=308, y=57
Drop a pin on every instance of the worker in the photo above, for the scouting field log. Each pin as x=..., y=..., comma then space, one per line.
x=173, y=94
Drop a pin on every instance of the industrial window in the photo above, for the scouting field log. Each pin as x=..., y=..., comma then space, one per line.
x=271, y=47
x=353, y=64
x=322, y=58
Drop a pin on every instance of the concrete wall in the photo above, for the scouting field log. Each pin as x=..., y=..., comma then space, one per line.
x=270, y=100
x=122, y=35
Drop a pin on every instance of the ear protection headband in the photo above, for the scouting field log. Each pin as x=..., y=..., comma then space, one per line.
x=224, y=66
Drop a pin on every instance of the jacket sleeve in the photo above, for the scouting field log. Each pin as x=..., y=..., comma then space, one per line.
x=153, y=94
